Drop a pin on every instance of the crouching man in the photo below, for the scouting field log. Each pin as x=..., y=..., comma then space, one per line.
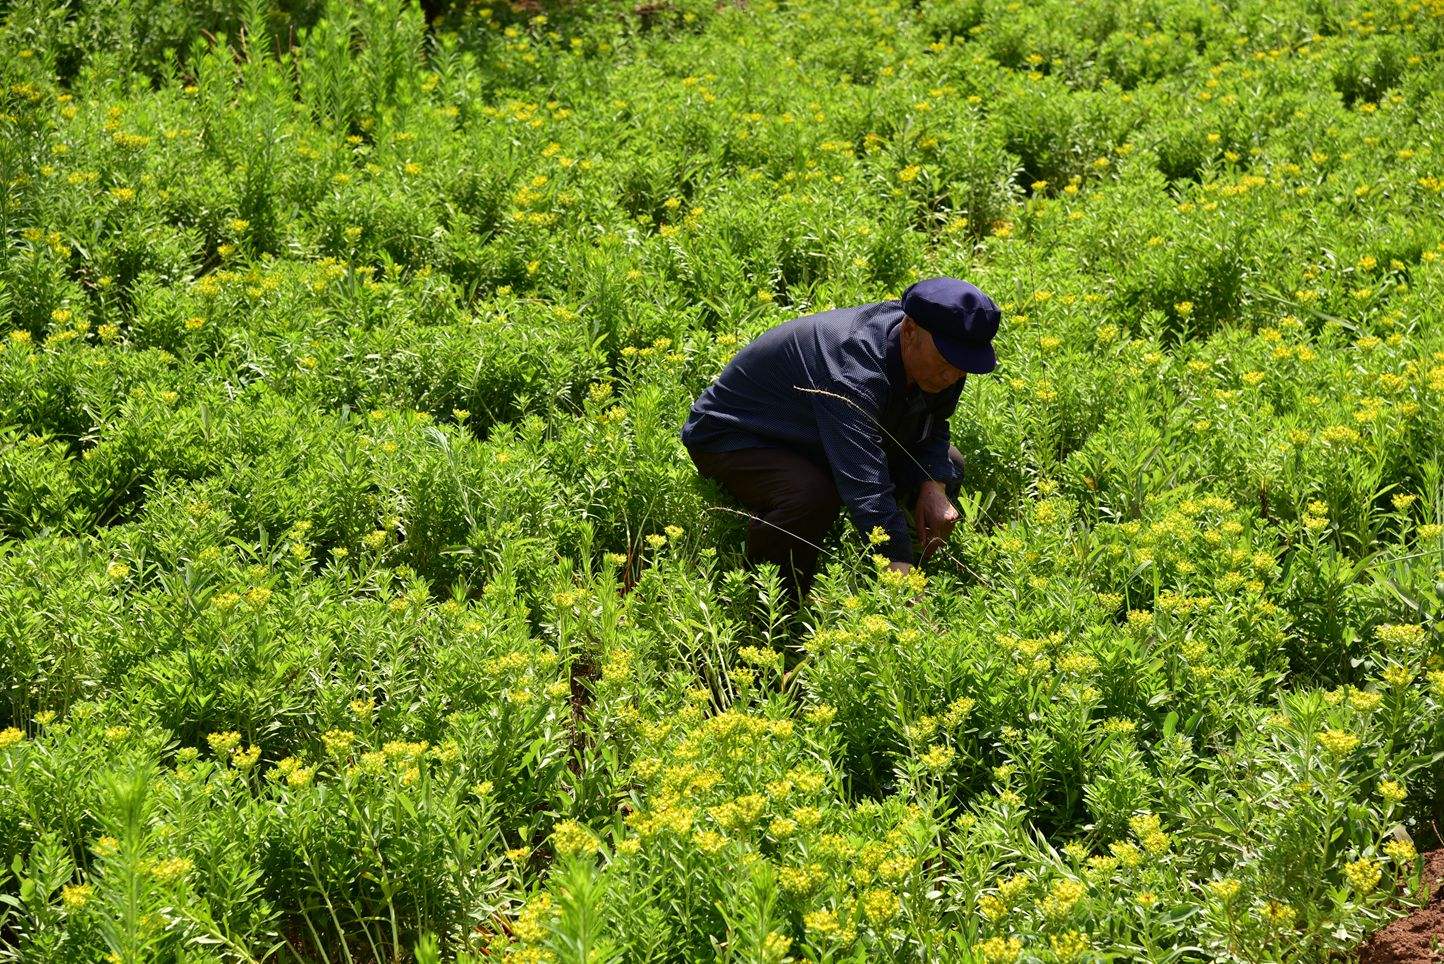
x=847, y=407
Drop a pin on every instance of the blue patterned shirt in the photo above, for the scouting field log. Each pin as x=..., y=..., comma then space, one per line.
x=832, y=386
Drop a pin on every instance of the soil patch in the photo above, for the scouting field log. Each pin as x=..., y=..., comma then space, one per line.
x=1418, y=938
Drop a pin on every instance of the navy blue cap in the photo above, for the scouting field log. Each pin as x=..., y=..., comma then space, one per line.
x=961, y=318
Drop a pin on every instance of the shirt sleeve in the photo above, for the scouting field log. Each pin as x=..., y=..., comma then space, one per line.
x=852, y=441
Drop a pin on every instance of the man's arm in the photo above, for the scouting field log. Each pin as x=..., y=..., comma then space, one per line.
x=852, y=441
x=934, y=513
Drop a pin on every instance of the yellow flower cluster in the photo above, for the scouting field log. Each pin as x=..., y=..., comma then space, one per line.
x=1363, y=875
x=1062, y=896
x=1279, y=915
x=1400, y=851
x=880, y=906
x=1148, y=829
x=826, y=926
x=769, y=659
x=570, y=839
x=775, y=947
x=741, y=813
x=169, y=869
x=1338, y=742
x=295, y=774
x=667, y=814
x=1001, y=950
x=1224, y=889
x=1394, y=636
x=1069, y=945
x=532, y=922
x=801, y=881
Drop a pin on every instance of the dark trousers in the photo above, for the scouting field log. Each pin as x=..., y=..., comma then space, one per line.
x=792, y=502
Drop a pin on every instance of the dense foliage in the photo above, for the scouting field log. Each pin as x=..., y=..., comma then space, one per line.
x=358, y=602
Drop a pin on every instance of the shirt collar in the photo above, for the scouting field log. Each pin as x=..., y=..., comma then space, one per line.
x=896, y=374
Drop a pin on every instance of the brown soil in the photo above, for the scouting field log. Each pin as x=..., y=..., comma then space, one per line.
x=1418, y=938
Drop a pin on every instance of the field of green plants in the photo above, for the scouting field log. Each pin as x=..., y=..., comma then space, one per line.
x=358, y=601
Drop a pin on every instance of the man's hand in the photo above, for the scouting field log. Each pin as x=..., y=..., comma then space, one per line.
x=934, y=517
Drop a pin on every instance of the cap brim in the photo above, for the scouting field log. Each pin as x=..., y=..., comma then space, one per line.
x=974, y=359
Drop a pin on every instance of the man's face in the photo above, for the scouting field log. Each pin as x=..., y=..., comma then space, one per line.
x=923, y=362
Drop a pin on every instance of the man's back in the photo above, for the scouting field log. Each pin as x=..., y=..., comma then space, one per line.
x=765, y=396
